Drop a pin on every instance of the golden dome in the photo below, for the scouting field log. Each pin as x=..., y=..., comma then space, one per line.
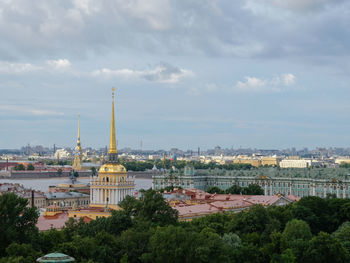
x=112, y=168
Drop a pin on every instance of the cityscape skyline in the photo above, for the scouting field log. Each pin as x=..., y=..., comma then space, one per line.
x=262, y=74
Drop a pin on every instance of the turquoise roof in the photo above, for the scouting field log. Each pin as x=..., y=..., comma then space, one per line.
x=55, y=257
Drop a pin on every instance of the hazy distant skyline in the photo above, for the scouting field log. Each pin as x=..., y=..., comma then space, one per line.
x=269, y=74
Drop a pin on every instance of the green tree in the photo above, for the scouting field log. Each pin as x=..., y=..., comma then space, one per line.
x=30, y=167
x=214, y=190
x=286, y=257
x=22, y=250
x=235, y=190
x=134, y=242
x=314, y=211
x=19, y=167
x=343, y=235
x=151, y=207
x=232, y=240
x=253, y=189
x=295, y=231
x=296, y=236
x=325, y=248
x=17, y=221
x=175, y=244
x=93, y=171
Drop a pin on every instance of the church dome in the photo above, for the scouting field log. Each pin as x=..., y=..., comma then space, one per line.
x=112, y=168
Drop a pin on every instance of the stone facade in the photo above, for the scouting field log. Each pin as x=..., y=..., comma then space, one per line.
x=299, y=185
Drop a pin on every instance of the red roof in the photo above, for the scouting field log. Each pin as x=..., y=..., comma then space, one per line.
x=47, y=222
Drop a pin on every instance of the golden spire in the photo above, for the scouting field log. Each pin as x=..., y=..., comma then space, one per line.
x=112, y=142
x=79, y=129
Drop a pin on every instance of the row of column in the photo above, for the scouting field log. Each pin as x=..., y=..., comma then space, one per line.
x=311, y=190
x=99, y=196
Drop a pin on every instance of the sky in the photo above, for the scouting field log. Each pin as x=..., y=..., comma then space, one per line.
x=269, y=74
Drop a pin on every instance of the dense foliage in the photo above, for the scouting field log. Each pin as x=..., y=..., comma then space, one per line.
x=19, y=167
x=147, y=230
x=167, y=164
x=344, y=165
x=252, y=189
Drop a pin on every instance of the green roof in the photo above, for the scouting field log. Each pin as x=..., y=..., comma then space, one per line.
x=55, y=257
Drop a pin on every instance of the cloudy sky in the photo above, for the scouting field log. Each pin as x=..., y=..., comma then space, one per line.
x=244, y=73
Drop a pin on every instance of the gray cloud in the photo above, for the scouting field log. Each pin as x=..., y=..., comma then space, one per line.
x=162, y=73
x=215, y=28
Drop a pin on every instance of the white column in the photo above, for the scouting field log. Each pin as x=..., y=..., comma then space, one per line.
x=271, y=192
x=338, y=193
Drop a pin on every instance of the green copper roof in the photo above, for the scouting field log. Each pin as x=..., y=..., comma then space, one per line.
x=55, y=258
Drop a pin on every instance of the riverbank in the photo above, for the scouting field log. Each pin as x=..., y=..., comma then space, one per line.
x=43, y=184
x=65, y=174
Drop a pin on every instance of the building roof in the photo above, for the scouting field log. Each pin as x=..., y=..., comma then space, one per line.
x=55, y=257
x=47, y=222
x=196, y=210
x=63, y=195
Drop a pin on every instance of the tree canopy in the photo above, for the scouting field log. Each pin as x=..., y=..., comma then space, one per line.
x=312, y=230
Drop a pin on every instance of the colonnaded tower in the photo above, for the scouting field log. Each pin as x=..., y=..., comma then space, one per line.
x=112, y=184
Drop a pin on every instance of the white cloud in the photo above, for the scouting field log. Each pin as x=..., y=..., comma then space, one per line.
x=288, y=79
x=17, y=68
x=87, y=6
x=59, y=64
x=8, y=68
x=162, y=73
x=274, y=84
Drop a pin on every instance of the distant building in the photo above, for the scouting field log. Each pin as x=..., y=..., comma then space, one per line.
x=342, y=160
x=193, y=203
x=295, y=163
x=270, y=161
x=298, y=182
x=29, y=194
x=67, y=199
x=62, y=154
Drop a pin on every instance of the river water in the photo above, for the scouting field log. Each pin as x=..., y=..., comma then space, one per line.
x=43, y=184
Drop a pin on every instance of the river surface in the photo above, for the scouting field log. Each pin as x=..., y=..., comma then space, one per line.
x=43, y=184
